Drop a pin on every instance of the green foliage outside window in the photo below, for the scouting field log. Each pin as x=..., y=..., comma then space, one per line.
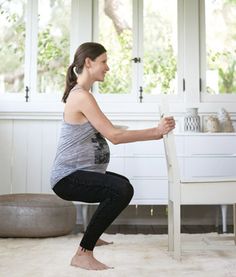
x=160, y=68
x=12, y=48
x=53, y=46
x=225, y=64
x=53, y=57
x=221, y=47
x=118, y=79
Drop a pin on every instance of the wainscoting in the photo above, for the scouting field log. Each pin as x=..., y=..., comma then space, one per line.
x=28, y=144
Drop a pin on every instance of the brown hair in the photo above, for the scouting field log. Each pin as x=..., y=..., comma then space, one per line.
x=86, y=50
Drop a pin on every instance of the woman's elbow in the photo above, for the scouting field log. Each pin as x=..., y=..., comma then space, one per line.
x=115, y=136
x=114, y=139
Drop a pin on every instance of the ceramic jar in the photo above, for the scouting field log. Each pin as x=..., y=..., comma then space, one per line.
x=192, y=120
x=212, y=124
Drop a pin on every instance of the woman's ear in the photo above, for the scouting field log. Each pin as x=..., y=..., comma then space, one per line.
x=88, y=62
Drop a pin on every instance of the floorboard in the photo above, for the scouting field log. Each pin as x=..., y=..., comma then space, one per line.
x=156, y=229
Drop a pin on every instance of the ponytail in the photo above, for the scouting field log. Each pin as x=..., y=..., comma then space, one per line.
x=71, y=80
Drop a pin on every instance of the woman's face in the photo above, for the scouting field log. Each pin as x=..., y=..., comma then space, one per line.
x=99, y=67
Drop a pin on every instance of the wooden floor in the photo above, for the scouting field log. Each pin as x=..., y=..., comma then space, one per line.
x=155, y=229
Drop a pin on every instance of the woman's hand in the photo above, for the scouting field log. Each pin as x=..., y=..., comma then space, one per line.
x=166, y=124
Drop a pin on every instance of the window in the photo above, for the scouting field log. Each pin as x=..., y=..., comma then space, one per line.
x=37, y=41
x=115, y=33
x=141, y=39
x=53, y=45
x=219, y=49
x=160, y=46
x=12, y=49
x=34, y=47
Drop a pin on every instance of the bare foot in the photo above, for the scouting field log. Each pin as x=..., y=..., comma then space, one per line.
x=87, y=261
x=101, y=242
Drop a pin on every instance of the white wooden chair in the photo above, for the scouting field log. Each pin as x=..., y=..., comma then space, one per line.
x=191, y=192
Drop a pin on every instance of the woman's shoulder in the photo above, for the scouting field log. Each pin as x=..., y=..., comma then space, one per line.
x=79, y=93
x=77, y=90
x=80, y=96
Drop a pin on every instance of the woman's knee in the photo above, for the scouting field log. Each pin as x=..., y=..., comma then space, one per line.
x=130, y=190
x=126, y=192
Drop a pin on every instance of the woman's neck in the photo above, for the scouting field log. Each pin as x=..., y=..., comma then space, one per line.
x=84, y=82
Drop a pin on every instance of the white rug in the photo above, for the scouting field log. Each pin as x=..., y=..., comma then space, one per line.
x=131, y=255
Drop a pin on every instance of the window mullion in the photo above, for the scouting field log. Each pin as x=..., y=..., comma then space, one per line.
x=95, y=33
x=140, y=46
x=81, y=22
x=74, y=28
x=202, y=46
x=137, y=47
x=180, y=39
x=192, y=53
x=31, y=47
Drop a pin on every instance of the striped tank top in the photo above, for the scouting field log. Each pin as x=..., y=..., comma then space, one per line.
x=80, y=147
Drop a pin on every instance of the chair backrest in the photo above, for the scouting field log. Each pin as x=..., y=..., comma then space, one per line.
x=171, y=157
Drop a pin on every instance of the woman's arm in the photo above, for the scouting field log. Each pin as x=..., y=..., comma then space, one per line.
x=90, y=109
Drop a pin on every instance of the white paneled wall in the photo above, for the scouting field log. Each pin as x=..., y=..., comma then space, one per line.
x=28, y=148
x=26, y=154
x=28, y=145
x=6, y=128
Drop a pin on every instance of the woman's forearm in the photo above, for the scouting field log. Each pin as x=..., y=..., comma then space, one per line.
x=125, y=136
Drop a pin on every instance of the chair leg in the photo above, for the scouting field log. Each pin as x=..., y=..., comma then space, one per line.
x=224, y=218
x=217, y=224
x=177, y=231
x=234, y=213
x=85, y=215
x=170, y=227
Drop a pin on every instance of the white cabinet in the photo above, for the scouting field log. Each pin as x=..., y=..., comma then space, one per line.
x=200, y=155
x=144, y=164
x=210, y=155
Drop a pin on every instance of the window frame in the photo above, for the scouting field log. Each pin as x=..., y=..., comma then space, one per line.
x=204, y=96
x=17, y=96
x=78, y=35
x=137, y=68
x=30, y=61
x=130, y=96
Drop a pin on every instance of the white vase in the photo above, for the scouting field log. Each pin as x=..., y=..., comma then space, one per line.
x=192, y=120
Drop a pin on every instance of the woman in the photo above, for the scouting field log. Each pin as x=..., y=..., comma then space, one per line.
x=79, y=170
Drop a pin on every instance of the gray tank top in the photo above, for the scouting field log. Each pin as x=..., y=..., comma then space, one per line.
x=80, y=147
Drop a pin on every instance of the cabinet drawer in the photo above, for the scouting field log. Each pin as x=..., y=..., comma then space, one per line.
x=150, y=189
x=197, y=145
x=209, y=167
x=145, y=167
x=152, y=148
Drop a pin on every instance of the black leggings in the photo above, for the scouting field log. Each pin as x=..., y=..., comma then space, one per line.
x=111, y=190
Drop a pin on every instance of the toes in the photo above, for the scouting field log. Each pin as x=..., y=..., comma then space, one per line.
x=101, y=242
